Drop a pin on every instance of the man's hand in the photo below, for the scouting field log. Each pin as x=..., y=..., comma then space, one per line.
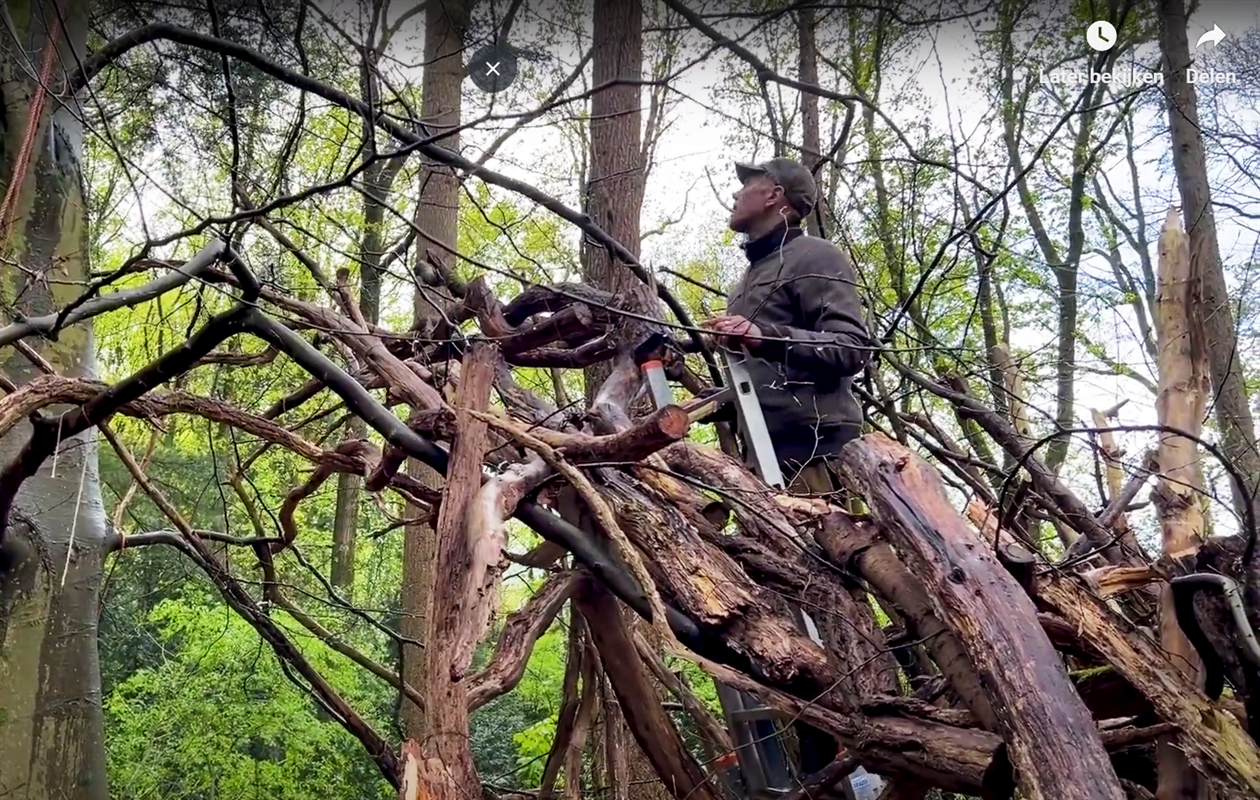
x=733, y=330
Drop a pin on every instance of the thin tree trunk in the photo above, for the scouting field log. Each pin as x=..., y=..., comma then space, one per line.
x=1183, y=395
x=51, y=726
x=810, y=137
x=1229, y=394
x=437, y=217
x=378, y=181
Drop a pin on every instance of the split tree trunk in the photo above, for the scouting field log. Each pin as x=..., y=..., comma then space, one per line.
x=1229, y=393
x=51, y=728
x=437, y=217
x=1183, y=395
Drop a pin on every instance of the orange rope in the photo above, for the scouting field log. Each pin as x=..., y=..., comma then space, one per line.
x=33, y=121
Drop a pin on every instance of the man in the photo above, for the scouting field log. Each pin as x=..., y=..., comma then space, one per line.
x=797, y=314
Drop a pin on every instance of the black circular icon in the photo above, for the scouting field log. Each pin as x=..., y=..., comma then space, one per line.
x=493, y=68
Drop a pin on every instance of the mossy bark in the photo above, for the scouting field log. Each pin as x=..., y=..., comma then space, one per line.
x=51, y=728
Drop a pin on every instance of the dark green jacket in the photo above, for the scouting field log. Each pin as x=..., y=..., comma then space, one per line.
x=803, y=290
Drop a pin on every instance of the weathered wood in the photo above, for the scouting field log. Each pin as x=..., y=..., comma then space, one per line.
x=859, y=548
x=1114, y=476
x=516, y=642
x=646, y=718
x=646, y=436
x=1050, y=735
x=955, y=759
x=770, y=546
x=446, y=702
x=574, y=322
x=1212, y=738
x=1183, y=394
x=708, y=584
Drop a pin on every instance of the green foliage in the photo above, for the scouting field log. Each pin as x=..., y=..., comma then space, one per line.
x=215, y=716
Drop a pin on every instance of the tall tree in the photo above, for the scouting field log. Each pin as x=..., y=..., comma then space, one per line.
x=51, y=728
x=615, y=186
x=1229, y=394
x=614, y=183
x=378, y=180
x=807, y=55
x=436, y=220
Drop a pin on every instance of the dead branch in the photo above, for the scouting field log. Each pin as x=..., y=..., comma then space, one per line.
x=647, y=720
x=516, y=642
x=88, y=307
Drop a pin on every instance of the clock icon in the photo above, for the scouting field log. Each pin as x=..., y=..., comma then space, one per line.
x=1101, y=35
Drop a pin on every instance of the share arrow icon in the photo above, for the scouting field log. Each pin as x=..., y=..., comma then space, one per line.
x=1214, y=36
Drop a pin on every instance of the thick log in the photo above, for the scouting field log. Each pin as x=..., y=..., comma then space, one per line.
x=446, y=701
x=1051, y=737
x=575, y=322
x=1212, y=736
x=516, y=642
x=771, y=544
x=644, y=715
x=859, y=548
x=760, y=639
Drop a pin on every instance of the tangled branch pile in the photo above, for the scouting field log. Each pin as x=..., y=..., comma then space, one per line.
x=986, y=666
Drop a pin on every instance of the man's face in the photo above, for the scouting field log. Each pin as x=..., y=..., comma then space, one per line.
x=755, y=200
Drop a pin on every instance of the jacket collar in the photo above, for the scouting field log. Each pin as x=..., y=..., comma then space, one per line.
x=758, y=249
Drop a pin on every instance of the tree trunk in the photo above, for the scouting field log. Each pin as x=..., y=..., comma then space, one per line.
x=1050, y=736
x=615, y=186
x=378, y=180
x=51, y=727
x=615, y=180
x=1183, y=394
x=454, y=618
x=810, y=138
x=1229, y=394
x=437, y=217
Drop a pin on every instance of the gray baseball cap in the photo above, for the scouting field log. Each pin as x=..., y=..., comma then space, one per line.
x=798, y=184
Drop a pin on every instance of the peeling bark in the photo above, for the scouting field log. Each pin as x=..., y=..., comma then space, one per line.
x=457, y=615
